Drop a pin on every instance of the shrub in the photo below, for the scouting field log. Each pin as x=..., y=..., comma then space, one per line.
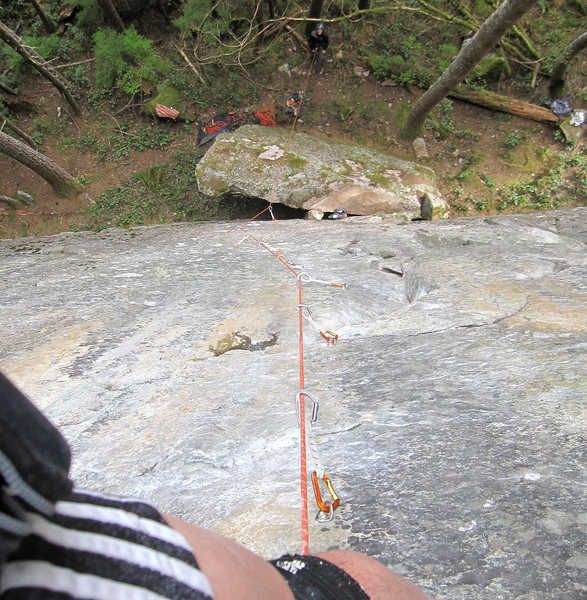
x=126, y=59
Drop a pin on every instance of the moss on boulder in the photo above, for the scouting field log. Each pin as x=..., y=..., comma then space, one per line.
x=169, y=96
x=314, y=174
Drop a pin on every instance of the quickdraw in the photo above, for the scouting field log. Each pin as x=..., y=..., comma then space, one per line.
x=329, y=336
x=326, y=334
x=325, y=506
x=306, y=278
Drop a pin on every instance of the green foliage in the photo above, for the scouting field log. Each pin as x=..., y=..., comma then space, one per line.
x=14, y=9
x=89, y=17
x=447, y=52
x=513, y=139
x=141, y=139
x=467, y=134
x=13, y=63
x=45, y=126
x=45, y=46
x=441, y=119
x=78, y=75
x=405, y=72
x=160, y=193
x=564, y=184
x=295, y=162
x=125, y=60
x=386, y=66
x=198, y=16
x=344, y=110
x=190, y=89
x=488, y=180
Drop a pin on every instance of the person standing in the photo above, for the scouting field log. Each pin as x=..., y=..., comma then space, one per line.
x=318, y=42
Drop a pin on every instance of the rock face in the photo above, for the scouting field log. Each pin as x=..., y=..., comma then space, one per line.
x=315, y=174
x=452, y=409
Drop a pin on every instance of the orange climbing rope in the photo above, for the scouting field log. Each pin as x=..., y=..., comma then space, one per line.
x=331, y=338
x=266, y=116
x=269, y=207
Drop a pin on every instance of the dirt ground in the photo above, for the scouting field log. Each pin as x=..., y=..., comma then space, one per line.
x=331, y=112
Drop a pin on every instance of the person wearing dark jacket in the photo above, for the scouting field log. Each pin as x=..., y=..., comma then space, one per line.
x=318, y=42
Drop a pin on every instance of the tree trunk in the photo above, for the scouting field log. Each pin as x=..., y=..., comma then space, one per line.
x=60, y=180
x=111, y=15
x=49, y=25
x=271, y=9
x=39, y=63
x=481, y=43
x=314, y=13
x=504, y=104
x=557, y=76
x=258, y=9
x=10, y=125
x=7, y=89
x=162, y=10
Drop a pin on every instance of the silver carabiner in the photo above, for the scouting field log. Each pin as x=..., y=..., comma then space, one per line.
x=315, y=406
x=322, y=517
x=308, y=317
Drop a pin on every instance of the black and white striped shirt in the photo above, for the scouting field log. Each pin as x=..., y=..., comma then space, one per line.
x=102, y=548
x=59, y=544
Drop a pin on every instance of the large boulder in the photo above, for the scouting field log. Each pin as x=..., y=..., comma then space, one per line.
x=315, y=174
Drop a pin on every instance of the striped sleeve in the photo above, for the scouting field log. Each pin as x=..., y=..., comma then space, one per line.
x=102, y=548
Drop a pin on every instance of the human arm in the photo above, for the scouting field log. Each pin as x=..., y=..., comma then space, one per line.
x=235, y=572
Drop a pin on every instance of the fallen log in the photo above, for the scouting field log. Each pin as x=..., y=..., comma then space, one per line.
x=7, y=89
x=504, y=104
x=11, y=202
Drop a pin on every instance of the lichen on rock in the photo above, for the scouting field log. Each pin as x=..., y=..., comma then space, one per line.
x=314, y=174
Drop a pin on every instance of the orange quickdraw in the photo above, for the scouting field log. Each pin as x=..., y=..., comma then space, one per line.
x=325, y=507
x=329, y=336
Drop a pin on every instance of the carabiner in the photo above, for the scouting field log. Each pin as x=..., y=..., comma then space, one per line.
x=326, y=507
x=308, y=316
x=315, y=406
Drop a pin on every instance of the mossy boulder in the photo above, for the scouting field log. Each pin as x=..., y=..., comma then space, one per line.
x=169, y=96
x=491, y=68
x=313, y=174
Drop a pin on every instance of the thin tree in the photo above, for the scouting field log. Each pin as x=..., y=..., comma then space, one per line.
x=111, y=15
x=60, y=180
x=271, y=9
x=557, y=75
x=480, y=44
x=315, y=12
x=6, y=122
x=49, y=25
x=260, y=18
x=39, y=63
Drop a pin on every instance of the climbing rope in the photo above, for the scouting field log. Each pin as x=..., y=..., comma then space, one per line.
x=269, y=207
x=266, y=116
x=326, y=507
